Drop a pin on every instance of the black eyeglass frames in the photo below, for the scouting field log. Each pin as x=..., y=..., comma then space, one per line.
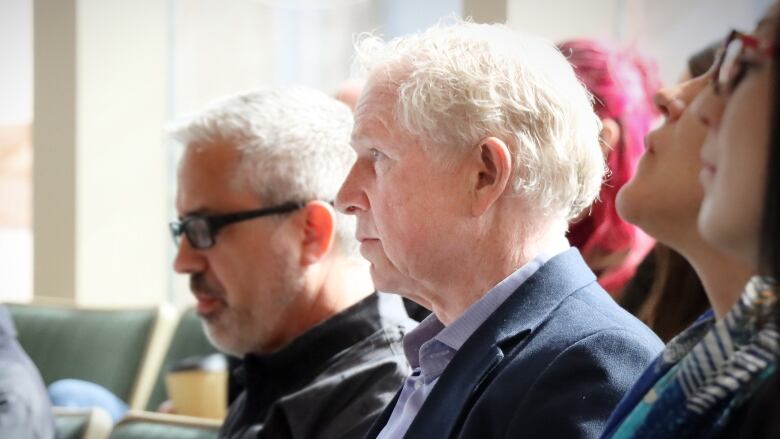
x=201, y=230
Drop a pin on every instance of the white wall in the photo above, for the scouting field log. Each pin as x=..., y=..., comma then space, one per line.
x=122, y=106
x=561, y=19
x=672, y=30
x=16, y=58
x=669, y=30
x=100, y=171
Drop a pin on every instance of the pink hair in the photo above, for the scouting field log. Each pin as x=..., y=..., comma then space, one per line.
x=622, y=84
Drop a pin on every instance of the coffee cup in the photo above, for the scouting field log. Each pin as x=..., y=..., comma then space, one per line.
x=197, y=386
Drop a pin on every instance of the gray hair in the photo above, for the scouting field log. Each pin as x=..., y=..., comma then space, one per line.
x=457, y=83
x=294, y=145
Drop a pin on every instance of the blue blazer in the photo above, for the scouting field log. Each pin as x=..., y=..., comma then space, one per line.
x=551, y=362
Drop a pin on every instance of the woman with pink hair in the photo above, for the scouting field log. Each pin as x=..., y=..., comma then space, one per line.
x=622, y=84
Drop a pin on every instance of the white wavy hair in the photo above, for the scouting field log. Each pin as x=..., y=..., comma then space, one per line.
x=459, y=82
x=294, y=144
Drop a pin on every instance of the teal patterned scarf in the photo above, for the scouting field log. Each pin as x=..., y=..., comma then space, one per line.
x=708, y=371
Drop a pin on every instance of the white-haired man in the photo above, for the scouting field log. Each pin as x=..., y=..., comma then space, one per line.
x=276, y=272
x=476, y=146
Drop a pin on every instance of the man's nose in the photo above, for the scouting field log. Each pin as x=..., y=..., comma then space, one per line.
x=188, y=260
x=351, y=197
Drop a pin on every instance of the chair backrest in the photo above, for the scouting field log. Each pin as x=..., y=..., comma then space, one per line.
x=145, y=425
x=188, y=341
x=105, y=347
x=94, y=423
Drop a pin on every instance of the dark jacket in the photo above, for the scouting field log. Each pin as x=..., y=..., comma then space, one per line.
x=551, y=362
x=25, y=410
x=331, y=382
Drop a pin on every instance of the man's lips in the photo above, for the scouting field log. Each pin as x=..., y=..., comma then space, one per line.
x=367, y=245
x=362, y=238
x=208, y=304
x=210, y=298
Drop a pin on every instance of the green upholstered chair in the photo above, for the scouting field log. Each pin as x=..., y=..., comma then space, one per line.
x=146, y=425
x=106, y=347
x=188, y=341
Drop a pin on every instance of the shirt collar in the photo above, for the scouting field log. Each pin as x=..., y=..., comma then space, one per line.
x=421, y=345
x=413, y=341
x=461, y=329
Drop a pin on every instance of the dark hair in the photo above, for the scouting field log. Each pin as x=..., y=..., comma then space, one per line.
x=760, y=419
x=666, y=293
x=769, y=256
x=701, y=61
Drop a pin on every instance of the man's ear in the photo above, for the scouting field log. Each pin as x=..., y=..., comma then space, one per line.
x=493, y=166
x=319, y=232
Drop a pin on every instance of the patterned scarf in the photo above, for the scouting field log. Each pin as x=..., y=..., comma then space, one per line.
x=709, y=370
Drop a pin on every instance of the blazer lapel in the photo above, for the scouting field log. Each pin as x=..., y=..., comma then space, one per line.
x=440, y=414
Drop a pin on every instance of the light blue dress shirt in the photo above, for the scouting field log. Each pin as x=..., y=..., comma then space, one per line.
x=430, y=347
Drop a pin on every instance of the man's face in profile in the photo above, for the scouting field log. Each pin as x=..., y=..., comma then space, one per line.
x=404, y=199
x=246, y=284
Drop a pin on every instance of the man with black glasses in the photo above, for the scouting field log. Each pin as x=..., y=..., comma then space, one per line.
x=275, y=270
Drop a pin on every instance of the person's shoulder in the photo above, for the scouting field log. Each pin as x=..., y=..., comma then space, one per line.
x=565, y=380
x=382, y=351
x=587, y=331
x=575, y=304
x=592, y=310
x=26, y=411
x=7, y=329
x=345, y=398
x=573, y=370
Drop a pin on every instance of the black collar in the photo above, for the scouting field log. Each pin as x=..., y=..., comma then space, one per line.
x=268, y=377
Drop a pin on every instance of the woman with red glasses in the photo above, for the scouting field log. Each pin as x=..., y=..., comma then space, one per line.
x=741, y=214
x=706, y=381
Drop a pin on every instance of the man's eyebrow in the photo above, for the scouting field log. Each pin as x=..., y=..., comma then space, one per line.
x=197, y=212
x=370, y=130
x=359, y=138
x=365, y=135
